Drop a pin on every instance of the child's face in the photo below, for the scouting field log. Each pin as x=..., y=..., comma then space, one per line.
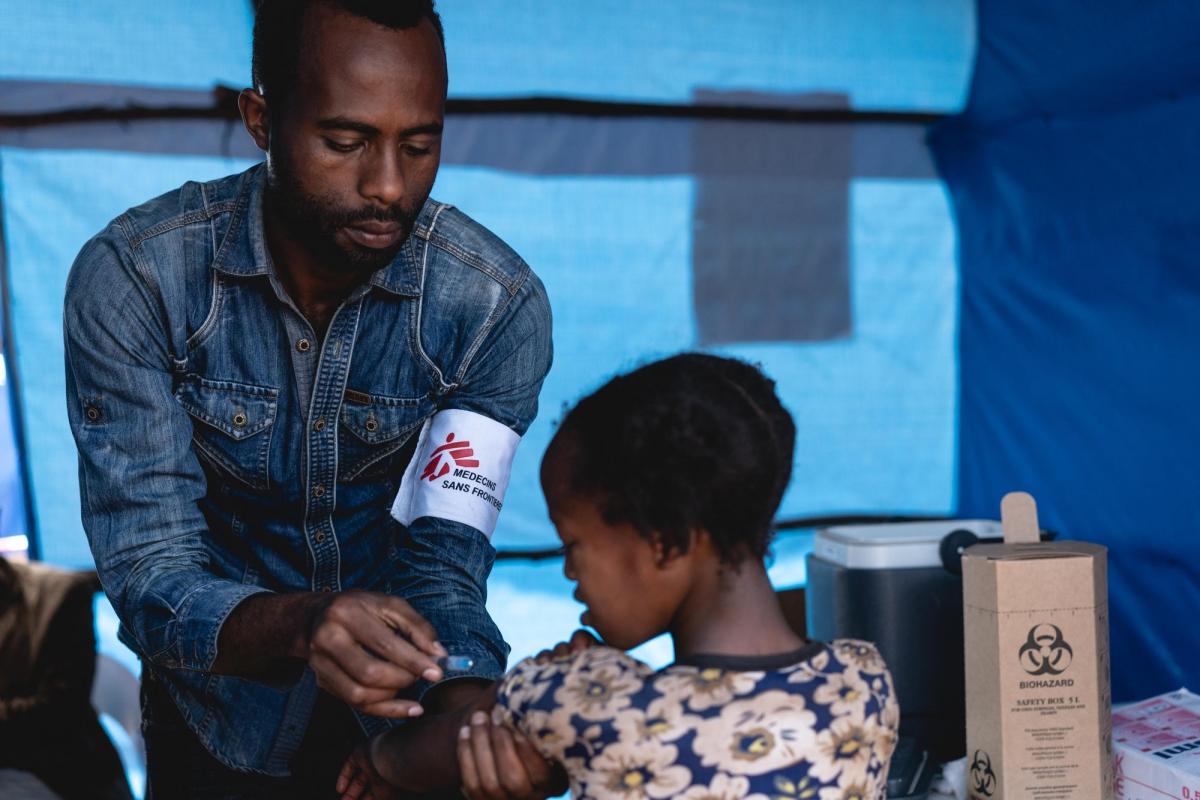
x=630, y=594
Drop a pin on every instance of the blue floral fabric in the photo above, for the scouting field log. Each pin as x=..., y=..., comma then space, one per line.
x=822, y=727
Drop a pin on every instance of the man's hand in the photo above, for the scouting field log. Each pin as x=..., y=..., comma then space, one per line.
x=580, y=640
x=363, y=646
x=366, y=646
x=359, y=779
x=500, y=764
x=497, y=763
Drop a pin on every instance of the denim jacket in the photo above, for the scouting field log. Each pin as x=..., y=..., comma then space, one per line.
x=225, y=450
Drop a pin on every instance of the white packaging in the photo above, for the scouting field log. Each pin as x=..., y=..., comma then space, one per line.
x=1157, y=743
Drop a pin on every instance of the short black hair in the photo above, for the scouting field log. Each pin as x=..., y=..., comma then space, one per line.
x=691, y=442
x=277, y=26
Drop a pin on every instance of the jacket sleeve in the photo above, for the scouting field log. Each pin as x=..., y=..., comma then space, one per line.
x=447, y=563
x=140, y=481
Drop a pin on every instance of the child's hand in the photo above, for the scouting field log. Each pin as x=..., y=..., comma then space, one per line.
x=580, y=640
x=497, y=763
x=358, y=779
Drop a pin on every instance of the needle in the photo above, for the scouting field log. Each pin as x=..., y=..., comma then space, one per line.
x=455, y=663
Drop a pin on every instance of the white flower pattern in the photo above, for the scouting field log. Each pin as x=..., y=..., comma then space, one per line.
x=821, y=728
x=638, y=769
x=706, y=687
x=723, y=787
x=662, y=720
x=843, y=692
x=760, y=734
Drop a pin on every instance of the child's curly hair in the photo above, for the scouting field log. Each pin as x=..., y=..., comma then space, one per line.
x=692, y=442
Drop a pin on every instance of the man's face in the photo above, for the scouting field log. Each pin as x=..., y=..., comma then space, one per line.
x=355, y=148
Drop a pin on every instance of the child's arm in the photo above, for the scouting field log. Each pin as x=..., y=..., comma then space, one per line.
x=458, y=747
x=419, y=756
x=442, y=750
x=490, y=756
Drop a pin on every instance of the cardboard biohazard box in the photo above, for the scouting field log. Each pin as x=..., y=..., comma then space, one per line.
x=1038, y=703
x=1158, y=748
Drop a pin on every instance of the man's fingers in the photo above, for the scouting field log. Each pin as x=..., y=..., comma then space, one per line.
x=404, y=618
x=468, y=771
x=548, y=777
x=401, y=662
x=347, y=771
x=333, y=679
x=510, y=768
x=355, y=788
x=540, y=770
x=394, y=708
x=485, y=763
x=369, y=669
x=351, y=781
x=582, y=640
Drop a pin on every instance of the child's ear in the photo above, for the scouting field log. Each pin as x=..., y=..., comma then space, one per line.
x=665, y=554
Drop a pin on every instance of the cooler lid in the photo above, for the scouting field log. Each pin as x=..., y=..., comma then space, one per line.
x=895, y=545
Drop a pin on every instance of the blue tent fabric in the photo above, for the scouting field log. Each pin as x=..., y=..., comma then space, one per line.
x=884, y=55
x=137, y=42
x=620, y=288
x=906, y=55
x=1036, y=326
x=609, y=224
x=51, y=208
x=1073, y=172
x=846, y=394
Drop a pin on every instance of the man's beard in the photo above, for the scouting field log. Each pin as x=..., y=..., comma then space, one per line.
x=314, y=221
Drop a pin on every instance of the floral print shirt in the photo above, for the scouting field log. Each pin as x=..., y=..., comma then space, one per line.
x=819, y=723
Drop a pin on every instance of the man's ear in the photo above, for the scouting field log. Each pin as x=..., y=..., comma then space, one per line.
x=253, y=107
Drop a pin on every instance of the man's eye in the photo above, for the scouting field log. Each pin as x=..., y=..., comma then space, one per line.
x=341, y=147
x=415, y=150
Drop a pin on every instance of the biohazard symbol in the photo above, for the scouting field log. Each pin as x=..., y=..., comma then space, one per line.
x=439, y=462
x=983, y=780
x=1045, y=652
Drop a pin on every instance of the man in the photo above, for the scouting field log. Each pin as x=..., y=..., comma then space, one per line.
x=296, y=393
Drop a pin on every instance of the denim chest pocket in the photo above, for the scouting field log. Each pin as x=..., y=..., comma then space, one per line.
x=232, y=425
x=374, y=430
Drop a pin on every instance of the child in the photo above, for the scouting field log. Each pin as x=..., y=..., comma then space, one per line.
x=663, y=486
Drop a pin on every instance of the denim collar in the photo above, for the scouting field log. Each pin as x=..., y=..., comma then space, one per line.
x=243, y=251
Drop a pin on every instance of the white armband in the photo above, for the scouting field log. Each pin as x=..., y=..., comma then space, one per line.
x=459, y=471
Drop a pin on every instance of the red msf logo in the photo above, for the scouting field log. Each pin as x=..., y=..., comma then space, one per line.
x=439, y=462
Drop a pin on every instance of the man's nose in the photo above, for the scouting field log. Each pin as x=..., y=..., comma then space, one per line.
x=383, y=178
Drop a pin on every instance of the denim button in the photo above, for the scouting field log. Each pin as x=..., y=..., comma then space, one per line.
x=92, y=413
x=239, y=419
x=303, y=345
x=371, y=425
x=319, y=425
x=320, y=537
x=318, y=490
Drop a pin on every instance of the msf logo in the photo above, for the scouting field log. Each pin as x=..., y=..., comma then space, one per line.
x=439, y=462
x=983, y=779
x=1045, y=651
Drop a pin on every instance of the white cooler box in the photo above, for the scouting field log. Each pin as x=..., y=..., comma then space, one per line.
x=900, y=585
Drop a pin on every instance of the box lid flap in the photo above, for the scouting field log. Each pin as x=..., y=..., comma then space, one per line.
x=1032, y=550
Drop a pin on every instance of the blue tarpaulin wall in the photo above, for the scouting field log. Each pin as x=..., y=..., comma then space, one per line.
x=1074, y=171
x=840, y=239
x=612, y=214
